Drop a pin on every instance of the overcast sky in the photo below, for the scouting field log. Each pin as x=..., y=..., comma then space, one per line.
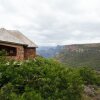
x=53, y=22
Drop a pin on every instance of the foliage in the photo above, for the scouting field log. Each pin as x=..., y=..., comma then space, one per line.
x=80, y=55
x=3, y=58
x=90, y=76
x=43, y=79
x=39, y=79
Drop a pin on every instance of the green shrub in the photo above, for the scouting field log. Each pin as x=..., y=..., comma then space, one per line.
x=40, y=79
x=90, y=76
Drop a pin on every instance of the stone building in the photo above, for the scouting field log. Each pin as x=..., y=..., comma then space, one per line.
x=16, y=45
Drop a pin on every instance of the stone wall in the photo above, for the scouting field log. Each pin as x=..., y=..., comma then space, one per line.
x=19, y=55
x=30, y=53
x=20, y=51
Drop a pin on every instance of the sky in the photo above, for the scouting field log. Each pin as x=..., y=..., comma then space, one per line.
x=53, y=22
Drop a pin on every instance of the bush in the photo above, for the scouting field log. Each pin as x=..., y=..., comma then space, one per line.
x=90, y=76
x=39, y=79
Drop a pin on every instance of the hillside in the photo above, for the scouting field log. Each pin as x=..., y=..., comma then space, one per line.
x=80, y=55
x=46, y=79
x=49, y=51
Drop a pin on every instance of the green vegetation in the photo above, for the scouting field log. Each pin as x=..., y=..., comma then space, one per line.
x=87, y=55
x=90, y=76
x=43, y=79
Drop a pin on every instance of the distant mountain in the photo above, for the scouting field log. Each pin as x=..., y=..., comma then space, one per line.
x=49, y=51
x=75, y=55
x=80, y=55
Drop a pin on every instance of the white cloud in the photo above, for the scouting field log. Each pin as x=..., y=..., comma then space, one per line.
x=51, y=22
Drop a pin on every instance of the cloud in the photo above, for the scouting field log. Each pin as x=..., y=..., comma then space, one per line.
x=52, y=22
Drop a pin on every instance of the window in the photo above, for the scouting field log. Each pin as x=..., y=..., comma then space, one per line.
x=11, y=51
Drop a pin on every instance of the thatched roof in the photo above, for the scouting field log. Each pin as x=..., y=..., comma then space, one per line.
x=13, y=36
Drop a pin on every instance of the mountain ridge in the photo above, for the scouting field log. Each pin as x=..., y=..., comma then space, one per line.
x=75, y=55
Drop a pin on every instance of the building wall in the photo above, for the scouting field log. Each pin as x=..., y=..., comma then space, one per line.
x=19, y=54
x=22, y=53
x=30, y=53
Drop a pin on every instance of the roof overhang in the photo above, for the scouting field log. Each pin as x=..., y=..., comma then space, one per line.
x=13, y=43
